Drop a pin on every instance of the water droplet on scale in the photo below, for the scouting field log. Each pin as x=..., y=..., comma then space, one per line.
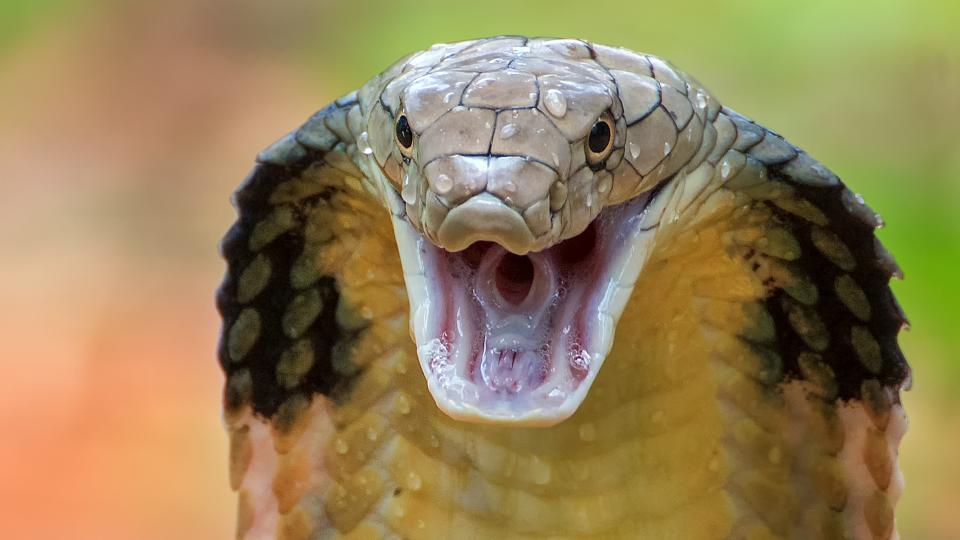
x=666, y=148
x=408, y=191
x=701, y=100
x=509, y=130
x=363, y=143
x=403, y=405
x=603, y=187
x=443, y=184
x=414, y=481
x=555, y=102
x=634, y=149
x=725, y=170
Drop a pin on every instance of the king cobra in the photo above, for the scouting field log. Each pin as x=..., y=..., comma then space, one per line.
x=546, y=288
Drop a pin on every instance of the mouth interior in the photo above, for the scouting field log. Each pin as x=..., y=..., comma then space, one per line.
x=513, y=309
x=519, y=338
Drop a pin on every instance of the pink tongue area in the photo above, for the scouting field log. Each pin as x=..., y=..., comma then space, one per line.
x=521, y=319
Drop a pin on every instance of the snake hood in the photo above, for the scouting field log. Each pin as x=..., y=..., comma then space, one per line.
x=546, y=288
x=519, y=175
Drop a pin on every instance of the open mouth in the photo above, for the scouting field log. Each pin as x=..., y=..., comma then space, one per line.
x=519, y=339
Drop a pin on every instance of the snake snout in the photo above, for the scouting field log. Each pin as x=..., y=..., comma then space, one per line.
x=501, y=199
x=485, y=218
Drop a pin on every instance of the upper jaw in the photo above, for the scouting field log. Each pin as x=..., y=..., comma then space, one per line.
x=523, y=349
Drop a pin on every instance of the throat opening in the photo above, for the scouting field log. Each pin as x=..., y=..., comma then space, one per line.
x=514, y=278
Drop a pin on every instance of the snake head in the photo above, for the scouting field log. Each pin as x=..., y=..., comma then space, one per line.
x=512, y=156
x=519, y=217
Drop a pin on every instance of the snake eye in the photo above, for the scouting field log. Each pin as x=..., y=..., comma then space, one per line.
x=600, y=141
x=404, y=135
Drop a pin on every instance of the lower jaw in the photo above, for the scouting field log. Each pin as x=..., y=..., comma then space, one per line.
x=518, y=340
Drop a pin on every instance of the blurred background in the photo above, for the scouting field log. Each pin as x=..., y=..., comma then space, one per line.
x=124, y=126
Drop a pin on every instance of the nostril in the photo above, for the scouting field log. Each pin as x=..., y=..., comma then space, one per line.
x=514, y=277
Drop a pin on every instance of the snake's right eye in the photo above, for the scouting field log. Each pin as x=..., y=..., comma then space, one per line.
x=599, y=143
x=404, y=135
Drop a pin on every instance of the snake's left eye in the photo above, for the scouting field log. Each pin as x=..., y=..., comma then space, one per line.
x=404, y=135
x=599, y=143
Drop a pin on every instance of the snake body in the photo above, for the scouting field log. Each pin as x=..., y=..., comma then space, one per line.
x=407, y=355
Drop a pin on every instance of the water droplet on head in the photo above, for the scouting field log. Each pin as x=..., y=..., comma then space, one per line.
x=666, y=148
x=634, y=149
x=555, y=102
x=363, y=143
x=408, y=191
x=509, y=130
x=443, y=184
x=701, y=100
x=603, y=187
x=725, y=170
x=448, y=97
